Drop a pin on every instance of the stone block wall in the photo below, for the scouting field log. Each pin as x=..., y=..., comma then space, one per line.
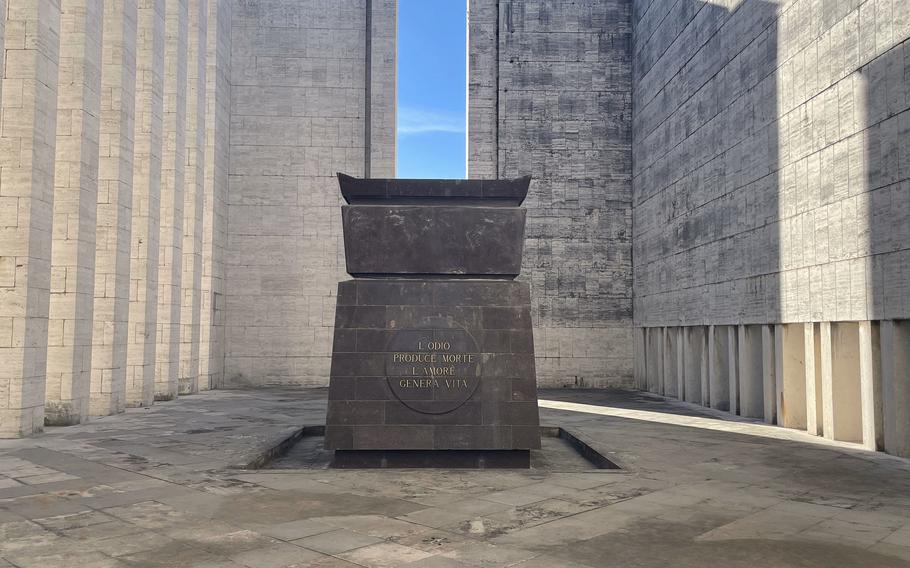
x=550, y=95
x=312, y=94
x=770, y=183
x=98, y=125
x=771, y=214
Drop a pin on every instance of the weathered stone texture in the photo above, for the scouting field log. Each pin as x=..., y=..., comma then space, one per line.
x=173, y=169
x=297, y=117
x=193, y=202
x=27, y=141
x=217, y=145
x=769, y=175
x=143, y=310
x=114, y=208
x=69, y=352
x=558, y=107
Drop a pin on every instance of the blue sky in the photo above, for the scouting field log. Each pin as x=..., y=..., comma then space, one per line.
x=431, y=88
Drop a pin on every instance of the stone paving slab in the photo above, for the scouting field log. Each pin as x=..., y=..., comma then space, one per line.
x=157, y=487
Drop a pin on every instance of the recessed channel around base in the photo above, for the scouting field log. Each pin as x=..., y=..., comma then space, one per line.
x=563, y=450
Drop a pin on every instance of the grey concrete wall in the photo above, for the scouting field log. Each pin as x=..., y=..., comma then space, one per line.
x=769, y=179
x=550, y=95
x=300, y=94
x=771, y=187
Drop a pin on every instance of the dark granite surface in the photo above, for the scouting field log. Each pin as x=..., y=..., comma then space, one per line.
x=433, y=348
x=433, y=239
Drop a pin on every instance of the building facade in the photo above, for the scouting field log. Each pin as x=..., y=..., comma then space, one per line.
x=719, y=212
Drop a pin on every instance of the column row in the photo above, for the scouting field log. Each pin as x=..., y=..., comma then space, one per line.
x=847, y=381
x=112, y=182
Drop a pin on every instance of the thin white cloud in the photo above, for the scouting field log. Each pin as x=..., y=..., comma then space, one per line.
x=418, y=121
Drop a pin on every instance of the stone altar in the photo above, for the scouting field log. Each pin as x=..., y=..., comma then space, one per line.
x=433, y=355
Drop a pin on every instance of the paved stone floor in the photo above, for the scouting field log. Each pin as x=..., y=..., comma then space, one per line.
x=158, y=487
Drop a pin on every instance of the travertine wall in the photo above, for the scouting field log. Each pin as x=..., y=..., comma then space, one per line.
x=69, y=351
x=550, y=95
x=214, y=216
x=103, y=111
x=301, y=94
x=28, y=114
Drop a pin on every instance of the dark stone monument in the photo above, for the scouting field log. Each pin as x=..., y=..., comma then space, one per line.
x=433, y=358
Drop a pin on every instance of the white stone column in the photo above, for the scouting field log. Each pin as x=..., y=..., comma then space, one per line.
x=847, y=416
x=751, y=386
x=217, y=125
x=114, y=209
x=733, y=367
x=812, y=350
x=768, y=374
x=680, y=346
x=718, y=367
x=870, y=377
x=69, y=351
x=671, y=362
x=193, y=202
x=173, y=169
x=790, y=370
x=895, y=342
x=693, y=349
x=660, y=371
x=827, y=383
x=27, y=141
x=639, y=356
x=143, y=309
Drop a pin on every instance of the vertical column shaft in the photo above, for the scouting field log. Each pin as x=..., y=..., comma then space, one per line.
x=768, y=374
x=895, y=346
x=827, y=390
x=217, y=87
x=28, y=111
x=193, y=203
x=812, y=349
x=173, y=164
x=870, y=376
x=114, y=209
x=143, y=309
x=69, y=351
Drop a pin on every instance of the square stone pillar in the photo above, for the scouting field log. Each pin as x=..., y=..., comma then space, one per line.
x=718, y=365
x=27, y=146
x=193, y=199
x=790, y=370
x=768, y=374
x=751, y=384
x=640, y=357
x=841, y=393
x=895, y=351
x=146, y=209
x=671, y=372
x=69, y=352
x=217, y=127
x=173, y=178
x=733, y=367
x=114, y=209
x=694, y=347
x=812, y=350
x=870, y=384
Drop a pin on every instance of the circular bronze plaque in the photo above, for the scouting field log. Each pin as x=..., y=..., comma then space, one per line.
x=433, y=371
